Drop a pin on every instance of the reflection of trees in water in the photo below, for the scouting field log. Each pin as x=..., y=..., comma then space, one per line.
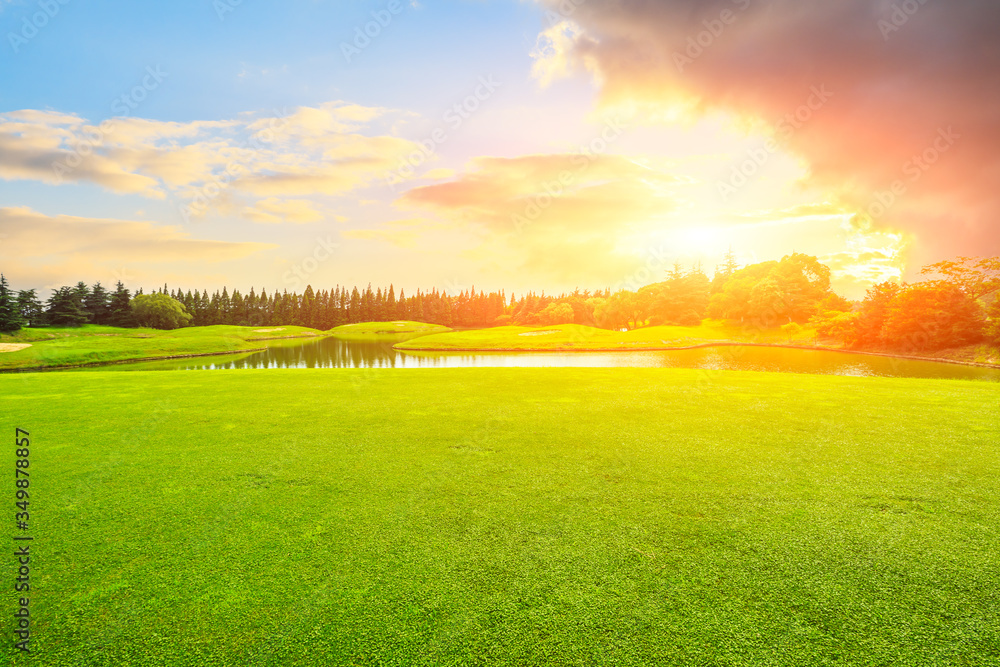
x=337, y=353
x=327, y=353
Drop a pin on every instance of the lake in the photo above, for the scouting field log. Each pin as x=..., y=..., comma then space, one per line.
x=341, y=353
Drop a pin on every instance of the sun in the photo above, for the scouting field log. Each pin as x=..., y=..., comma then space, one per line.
x=701, y=240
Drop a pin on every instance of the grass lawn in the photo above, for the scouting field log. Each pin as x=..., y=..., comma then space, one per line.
x=508, y=517
x=72, y=346
x=376, y=329
x=577, y=337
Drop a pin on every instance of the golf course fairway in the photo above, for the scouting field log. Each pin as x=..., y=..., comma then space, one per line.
x=508, y=517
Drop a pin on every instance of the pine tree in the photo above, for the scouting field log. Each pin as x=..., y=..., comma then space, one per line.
x=250, y=308
x=378, y=311
x=368, y=305
x=31, y=309
x=307, y=312
x=65, y=307
x=264, y=307
x=225, y=308
x=237, y=307
x=292, y=309
x=724, y=272
x=120, y=307
x=402, y=309
x=390, y=304
x=81, y=293
x=10, y=316
x=96, y=304
x=354, y=309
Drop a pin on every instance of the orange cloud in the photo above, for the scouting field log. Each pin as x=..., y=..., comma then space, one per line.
x=560, y=216
x=572, y=193
x=911, y=101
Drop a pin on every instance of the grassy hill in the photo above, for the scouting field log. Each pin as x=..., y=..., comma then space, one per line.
x=565, y=337
x=380, y=329
x=73, y=346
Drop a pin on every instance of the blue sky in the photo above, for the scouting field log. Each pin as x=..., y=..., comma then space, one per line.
x=288, y=53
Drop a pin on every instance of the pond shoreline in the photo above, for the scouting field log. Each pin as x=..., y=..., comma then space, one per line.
x=138, y=360
x=119, y=362
x=814, y=348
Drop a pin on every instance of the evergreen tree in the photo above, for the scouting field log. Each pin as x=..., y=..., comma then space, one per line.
x=120, y=307
x=31, y=309
x=10, y=315
x=378, y=314
x=237, y=315
x=402, y=310
x=65, y=307
x=225, y=308
x=82, y=292
x=264, y=307
x=292, y=309
x=724, y=272
x=250, y=305
x=368, y=305
x=96, y=304
x=390, y=304
x=307, y=309
x=354, y=309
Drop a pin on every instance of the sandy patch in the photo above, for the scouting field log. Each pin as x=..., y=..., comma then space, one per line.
x=268, y=330
x=13, y=347
x=539, y=333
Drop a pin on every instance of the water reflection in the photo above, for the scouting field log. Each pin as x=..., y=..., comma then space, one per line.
x=343, y=353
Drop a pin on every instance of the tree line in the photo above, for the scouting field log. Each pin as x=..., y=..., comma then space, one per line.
x=170, y=309
x=955, y=306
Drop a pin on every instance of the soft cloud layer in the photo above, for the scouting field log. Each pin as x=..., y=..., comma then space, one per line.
x=274, y=210
x=568, y=193
x=308, y=152
x=912, y=98
x=39, y=248
x=558, y=216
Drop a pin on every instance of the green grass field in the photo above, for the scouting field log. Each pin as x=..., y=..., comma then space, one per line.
x=508, y=517
x=73, y=346
x=379, y=329
x=577, y=337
